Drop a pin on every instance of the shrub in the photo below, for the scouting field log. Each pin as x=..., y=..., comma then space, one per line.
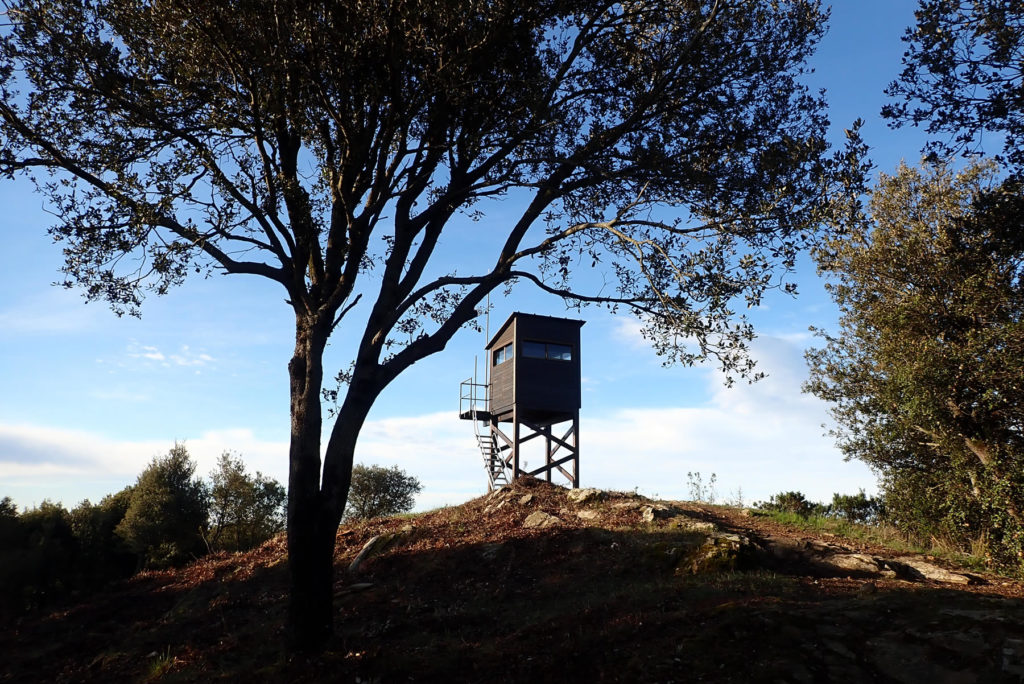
x=167, y=515
x=790, y=502
x=378, y=491
x=857, y=508
x=700, y=492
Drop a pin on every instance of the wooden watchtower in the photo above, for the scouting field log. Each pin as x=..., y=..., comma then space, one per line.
x=533, y=392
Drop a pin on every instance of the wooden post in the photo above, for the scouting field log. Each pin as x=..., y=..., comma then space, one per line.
x=576, y=443
x=547, y=450
x=515, y=443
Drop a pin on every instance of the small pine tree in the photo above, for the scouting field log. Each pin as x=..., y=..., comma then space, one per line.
x=378, y=491
x=167, y=515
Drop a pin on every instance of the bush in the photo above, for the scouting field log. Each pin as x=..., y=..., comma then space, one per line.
x=856, y=508
x=167, y=514
x=791, y=502
x=378, y=491
x=245, y=510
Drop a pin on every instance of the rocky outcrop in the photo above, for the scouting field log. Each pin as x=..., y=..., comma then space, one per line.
x=836, y=559
x=379, y=544
x=584, y=496
x=540, y=519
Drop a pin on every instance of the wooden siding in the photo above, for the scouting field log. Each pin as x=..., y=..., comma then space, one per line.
x=536, y=386
x=502, y=375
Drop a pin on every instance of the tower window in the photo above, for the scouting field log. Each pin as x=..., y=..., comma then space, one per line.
x=504, y=354
x=547, y=350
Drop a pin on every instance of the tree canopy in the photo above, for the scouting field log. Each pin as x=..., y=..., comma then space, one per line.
x=962, y=77
x=245, y=510
x=167, y=512
x=668, y=145
x=378, y=491
x=926, y=370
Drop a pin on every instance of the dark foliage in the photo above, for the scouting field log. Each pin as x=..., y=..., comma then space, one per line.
x=167, y=512
x=378, y=491
x=790, y=502
x=962, y=77
x=245, y=510
x=103, y=554
x=37, y=554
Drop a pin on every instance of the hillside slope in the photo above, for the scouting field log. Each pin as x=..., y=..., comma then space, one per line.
x=536, y=583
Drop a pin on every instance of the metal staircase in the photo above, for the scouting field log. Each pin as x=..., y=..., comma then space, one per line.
x=494, y=464
x=473, y=405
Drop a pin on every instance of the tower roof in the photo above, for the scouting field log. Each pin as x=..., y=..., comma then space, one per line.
x=526, y=316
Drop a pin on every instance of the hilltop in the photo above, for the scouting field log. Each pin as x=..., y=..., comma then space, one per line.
x=537, y=583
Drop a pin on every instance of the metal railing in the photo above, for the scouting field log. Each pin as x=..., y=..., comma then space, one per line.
x=474, y=398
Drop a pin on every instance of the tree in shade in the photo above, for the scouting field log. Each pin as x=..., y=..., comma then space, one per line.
x=661, y=158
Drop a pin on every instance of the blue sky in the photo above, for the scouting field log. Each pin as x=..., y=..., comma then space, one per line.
x=88, y=399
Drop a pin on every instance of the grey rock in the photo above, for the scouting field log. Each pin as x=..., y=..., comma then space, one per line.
x=856, y=562
x=1013, y=657
x=491, y=551
x=582, y=496
x=652, y=512
x=540, y=519
x=932, y=571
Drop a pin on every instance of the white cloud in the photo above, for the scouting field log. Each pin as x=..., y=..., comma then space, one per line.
x=763, y=438
x=185, y=357
x=627, y=329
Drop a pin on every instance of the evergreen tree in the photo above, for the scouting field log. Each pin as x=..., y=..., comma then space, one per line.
x=926, y=374
x=245, y=510
x=167, y=515
x=377, y=491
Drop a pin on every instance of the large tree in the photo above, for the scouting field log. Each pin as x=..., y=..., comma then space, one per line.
x=963, y=77
x=926, y=371
x=667, y=143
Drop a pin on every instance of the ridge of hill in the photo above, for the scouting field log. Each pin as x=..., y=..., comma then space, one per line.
x=537, y=583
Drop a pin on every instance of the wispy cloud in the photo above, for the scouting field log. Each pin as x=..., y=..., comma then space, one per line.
x=184, y=357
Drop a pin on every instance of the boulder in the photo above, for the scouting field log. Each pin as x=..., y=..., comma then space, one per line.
x=379, y=544
x=720, y=553
x=526, y=499
x=588, y=514
x=691, y=525
x=857, y=562
x=657, y=511
x=540, y=519
x=583, y=496
x=931, y=571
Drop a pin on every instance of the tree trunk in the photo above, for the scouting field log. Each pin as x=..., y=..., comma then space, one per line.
x=315, y=506
x=310, y=534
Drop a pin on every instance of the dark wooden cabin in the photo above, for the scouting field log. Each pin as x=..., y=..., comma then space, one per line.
x=535, y=384
x=535, y=368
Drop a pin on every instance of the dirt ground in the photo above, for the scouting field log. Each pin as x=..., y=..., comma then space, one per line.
x=527, y=584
